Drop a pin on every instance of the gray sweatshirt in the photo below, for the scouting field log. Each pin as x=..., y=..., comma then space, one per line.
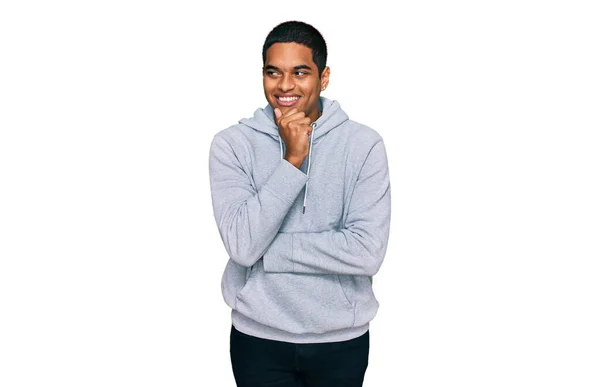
x=293, y=275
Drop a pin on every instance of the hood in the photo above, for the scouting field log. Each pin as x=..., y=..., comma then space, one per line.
x=331, y=117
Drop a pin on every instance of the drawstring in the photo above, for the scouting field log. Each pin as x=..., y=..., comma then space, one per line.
x=281, y=148
x=312, y=135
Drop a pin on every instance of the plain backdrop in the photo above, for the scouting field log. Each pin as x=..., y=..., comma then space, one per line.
x=111, y=260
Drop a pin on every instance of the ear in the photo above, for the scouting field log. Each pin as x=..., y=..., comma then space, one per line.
x=325, y=78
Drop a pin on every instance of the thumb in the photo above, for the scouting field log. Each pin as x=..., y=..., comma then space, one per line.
x=277, y=113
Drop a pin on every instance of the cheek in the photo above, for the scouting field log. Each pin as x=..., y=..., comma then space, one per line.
x=268, y=83
x=307, y=89
x=268, y=89
x=312, y=87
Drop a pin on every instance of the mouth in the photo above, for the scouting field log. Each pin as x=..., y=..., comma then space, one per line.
x=287, y=100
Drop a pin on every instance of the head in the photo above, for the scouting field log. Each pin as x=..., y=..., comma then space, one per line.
x=294, y=67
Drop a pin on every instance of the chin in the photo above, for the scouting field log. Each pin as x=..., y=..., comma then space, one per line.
x=286, y=108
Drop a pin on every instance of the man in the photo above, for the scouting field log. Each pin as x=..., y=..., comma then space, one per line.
x=299, y=277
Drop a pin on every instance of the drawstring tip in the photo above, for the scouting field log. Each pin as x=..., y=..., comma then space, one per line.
x=303, y=209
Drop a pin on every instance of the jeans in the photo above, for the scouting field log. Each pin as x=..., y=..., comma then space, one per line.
x=258, y=362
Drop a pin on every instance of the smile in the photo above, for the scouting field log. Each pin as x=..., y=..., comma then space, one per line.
x=287, y=101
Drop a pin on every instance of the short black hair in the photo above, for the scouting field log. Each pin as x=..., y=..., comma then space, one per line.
x=302, y=33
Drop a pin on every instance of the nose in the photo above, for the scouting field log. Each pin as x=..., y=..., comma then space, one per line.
x=286, y=83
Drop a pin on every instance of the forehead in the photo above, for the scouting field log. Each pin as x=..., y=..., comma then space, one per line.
x=289, y=55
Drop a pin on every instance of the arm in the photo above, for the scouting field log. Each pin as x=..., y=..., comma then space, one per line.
x=358, y=248
x=247, y=220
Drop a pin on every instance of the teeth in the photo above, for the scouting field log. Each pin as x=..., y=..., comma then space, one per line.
x=288, y=99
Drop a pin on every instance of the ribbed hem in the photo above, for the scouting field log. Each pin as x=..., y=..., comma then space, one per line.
x=252, y=328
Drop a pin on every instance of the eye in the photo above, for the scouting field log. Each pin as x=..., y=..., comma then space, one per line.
x=301, y=73
x=271, y=73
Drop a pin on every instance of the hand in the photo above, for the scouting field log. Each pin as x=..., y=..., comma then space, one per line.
x=294, y=129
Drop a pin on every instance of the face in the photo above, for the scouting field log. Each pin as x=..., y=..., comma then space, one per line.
x=291, y=79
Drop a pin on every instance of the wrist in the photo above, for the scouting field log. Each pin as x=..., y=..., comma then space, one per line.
x=295, y=161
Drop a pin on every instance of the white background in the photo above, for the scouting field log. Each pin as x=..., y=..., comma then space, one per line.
x=110, y=257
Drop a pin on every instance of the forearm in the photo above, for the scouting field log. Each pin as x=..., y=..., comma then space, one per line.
x=356, y=249
x=247, y=220
x=330, y=252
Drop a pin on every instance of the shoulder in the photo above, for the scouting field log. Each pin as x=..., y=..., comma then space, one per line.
x=229, y=142
x=362, y=135
x=231, y=134
x=239, y=138
x=367, y=146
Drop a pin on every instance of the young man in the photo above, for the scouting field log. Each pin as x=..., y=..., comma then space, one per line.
x=299, y=277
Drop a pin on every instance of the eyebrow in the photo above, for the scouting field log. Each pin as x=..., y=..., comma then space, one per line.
x=299, y=67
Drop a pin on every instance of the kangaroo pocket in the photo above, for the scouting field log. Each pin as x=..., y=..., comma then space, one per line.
x=295, y=303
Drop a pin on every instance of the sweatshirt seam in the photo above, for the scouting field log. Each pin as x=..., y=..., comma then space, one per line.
x=367, y=158
x=221, y=137
x=359, y=174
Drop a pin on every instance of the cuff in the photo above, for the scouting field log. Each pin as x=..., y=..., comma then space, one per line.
x=286, y=181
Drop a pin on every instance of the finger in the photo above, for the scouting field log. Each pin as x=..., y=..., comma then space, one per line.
x=290, y=112
x=304, y=121
x=301, y=124
x=277, y=114
x=283, y=117
x=301, y=129
x=295, y=117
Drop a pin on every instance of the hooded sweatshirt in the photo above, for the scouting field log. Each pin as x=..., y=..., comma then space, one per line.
x=301, y=261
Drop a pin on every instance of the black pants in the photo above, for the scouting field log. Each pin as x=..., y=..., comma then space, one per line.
x=259, y=362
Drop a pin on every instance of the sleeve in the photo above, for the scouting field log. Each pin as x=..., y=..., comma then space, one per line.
x=247, y=220
x=359, y=247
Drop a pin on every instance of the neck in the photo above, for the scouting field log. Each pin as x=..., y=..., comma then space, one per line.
x=316, y=116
